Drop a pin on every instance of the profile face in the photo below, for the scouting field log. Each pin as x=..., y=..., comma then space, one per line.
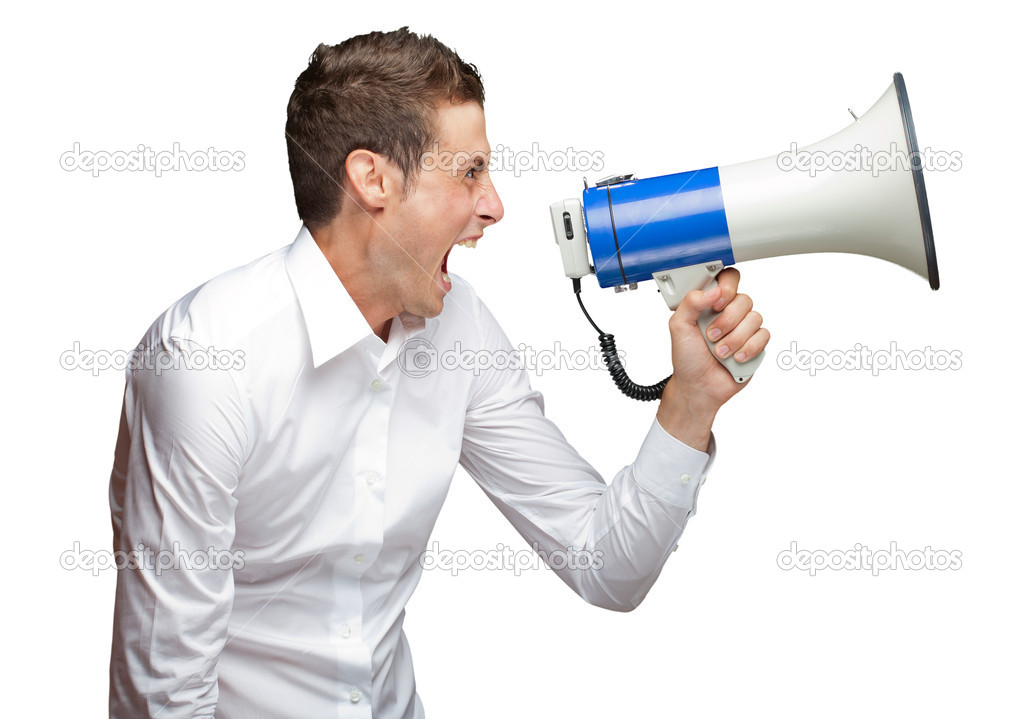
x=453, y=201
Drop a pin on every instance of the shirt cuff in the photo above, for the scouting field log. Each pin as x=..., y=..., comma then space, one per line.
x=671, y=470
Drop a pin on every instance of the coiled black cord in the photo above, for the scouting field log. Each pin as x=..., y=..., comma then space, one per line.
x=644, y=393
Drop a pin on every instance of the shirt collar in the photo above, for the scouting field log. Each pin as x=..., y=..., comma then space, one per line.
x=333, y=321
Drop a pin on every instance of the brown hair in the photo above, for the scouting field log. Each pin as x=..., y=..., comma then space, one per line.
x=376, y=92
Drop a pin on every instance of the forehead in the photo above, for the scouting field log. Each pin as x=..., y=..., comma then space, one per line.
x=462, y=127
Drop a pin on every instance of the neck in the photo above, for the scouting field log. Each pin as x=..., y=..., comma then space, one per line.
x=346, y=248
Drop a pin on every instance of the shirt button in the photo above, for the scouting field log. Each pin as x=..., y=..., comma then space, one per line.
x=685, y=478
x=346, y=631
x=377, y=385
x=359, y=557
x=372, y=477
x=703, y=481
x=355, y=696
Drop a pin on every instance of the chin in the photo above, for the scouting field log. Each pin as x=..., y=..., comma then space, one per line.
x=430, y=308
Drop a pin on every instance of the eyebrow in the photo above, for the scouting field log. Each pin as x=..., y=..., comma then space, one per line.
x=474, y=159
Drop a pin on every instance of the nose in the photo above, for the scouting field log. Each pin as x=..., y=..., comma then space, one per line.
x=489, y=208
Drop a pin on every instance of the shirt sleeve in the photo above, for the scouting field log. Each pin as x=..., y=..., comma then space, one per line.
x=179, y=454
x=607, y=542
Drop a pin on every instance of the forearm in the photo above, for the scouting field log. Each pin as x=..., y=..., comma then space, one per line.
x=607, y=542
x=638, y=521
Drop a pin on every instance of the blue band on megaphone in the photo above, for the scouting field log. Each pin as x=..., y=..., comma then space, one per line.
x=639, y=227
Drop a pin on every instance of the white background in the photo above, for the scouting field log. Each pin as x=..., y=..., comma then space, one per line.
x=829, y=461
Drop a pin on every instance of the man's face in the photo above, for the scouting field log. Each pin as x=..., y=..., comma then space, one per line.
x=453, y=201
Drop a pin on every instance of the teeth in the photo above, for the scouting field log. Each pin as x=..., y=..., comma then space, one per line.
x=467, y=243
x=444, y=276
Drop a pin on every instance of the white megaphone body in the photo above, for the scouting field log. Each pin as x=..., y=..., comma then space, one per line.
x=859, y=191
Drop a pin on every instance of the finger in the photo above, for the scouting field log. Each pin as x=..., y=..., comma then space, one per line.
x=754, y=346
x=738, y=337
x=728, y=281
x=695, y=302
x=730, y=317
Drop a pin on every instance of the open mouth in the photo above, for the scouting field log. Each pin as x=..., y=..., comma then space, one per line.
x=445, y=278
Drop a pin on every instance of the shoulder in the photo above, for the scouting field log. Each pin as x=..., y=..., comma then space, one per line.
x=227, y=308
x=463, y=307
x=466, y=314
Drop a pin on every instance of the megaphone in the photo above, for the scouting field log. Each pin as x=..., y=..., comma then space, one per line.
x=859, y=191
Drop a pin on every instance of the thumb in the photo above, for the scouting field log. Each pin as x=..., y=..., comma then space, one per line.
x=695, y=302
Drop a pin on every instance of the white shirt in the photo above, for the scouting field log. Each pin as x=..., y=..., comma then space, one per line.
x=284, y=496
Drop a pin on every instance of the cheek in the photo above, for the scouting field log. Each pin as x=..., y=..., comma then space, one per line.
x=448, y=212
x=460, y=208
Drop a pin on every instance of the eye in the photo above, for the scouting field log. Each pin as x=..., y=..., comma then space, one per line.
x=478, y=167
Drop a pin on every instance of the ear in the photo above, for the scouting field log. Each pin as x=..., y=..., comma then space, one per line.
x=372, y=180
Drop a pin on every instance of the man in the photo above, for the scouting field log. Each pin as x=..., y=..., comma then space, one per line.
x=288, y=496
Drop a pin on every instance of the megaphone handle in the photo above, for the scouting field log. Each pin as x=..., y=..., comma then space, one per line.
x=675, y=284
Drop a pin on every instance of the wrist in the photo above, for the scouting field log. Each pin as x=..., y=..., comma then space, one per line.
x=688, y=417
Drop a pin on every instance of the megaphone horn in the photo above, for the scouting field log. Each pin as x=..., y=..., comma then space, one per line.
x=859, y=191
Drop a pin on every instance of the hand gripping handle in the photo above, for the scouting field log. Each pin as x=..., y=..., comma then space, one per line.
x=675, y=284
